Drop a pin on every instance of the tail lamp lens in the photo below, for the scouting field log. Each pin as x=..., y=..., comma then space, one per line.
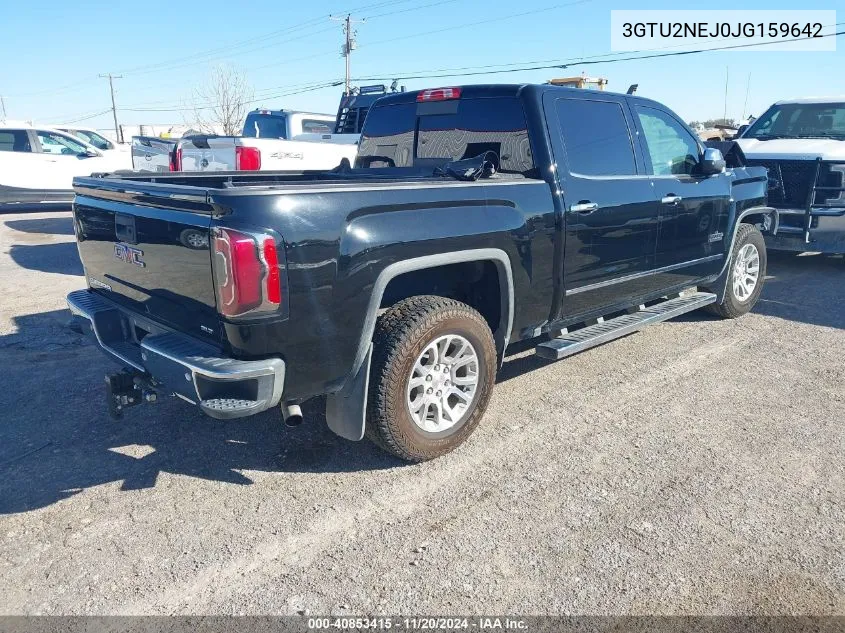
x=176, y=159
x=247, y=158
x=246, y=272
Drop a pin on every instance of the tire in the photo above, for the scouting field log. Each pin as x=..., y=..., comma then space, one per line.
x=735, y=303
x=408, y=335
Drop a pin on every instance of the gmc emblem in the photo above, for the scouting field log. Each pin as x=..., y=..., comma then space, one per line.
x=128, y=254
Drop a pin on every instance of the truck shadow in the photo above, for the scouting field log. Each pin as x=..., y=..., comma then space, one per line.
x=62, y=225
x=61, y=257
x=57, y=439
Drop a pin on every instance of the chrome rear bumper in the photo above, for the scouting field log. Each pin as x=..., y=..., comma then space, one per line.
x=197, y=372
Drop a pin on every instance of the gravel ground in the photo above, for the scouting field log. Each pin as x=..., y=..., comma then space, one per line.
x=696, y=467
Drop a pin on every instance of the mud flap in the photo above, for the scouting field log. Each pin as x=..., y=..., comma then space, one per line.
x=346, y=410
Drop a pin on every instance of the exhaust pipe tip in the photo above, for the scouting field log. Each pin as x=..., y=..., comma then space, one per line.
x=291, y=414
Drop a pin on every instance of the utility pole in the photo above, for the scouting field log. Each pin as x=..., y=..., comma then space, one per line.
x=349, y=44
x=727, y=75
x=3, y=106
x=111, y=77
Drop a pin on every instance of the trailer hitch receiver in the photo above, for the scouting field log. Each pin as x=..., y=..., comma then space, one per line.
x=128, y=389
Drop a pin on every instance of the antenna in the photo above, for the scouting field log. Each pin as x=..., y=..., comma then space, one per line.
x=745, y=105
x=348, y=45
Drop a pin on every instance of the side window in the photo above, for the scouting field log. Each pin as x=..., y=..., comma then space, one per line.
x=671, y=148
x=310, y=126
x=58, y=144
x=596, y=137
x=14, y=141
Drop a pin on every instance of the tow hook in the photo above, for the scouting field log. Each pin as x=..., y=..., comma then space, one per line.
x=128, y=389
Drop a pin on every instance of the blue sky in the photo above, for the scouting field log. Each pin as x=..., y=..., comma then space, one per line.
x=52, y=53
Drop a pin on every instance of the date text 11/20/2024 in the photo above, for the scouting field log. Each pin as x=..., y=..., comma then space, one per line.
x=418, y=623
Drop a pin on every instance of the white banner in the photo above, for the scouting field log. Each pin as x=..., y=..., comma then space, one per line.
x=766, y=30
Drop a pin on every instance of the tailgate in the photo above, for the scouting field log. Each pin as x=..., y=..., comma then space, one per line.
x=151, y=154
x=146, y=246
x=205, y=153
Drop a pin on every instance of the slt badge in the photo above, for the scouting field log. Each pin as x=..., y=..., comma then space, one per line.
x=128, y=254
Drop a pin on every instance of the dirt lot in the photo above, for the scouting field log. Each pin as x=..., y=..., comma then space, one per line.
x=696, y=467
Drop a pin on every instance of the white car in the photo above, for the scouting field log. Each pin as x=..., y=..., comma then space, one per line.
x=121, y=153
x=38, y=164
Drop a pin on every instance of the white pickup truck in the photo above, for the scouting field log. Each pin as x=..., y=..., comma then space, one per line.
x=272, y=140
x=802, y=143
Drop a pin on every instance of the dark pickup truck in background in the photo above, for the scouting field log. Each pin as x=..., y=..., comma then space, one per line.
x=473, y=218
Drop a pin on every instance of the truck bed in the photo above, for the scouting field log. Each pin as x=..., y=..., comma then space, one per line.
x=276, y=180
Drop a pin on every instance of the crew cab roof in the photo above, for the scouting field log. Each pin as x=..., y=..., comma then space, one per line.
x=484, y=91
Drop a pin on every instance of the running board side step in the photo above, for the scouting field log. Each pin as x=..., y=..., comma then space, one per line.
x=571, y=343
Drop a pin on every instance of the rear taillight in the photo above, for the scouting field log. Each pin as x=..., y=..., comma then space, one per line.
x=439, y=94
x=176, y=159
x=247, y=273
x=247, y=158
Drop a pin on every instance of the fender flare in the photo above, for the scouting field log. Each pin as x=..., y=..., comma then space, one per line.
x=346, y=408
x=720, y=283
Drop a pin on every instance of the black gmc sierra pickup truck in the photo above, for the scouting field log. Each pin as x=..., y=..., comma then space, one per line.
x=474, y=217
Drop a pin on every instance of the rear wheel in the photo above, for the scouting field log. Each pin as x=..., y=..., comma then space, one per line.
x=433, y=369
x=746, y=272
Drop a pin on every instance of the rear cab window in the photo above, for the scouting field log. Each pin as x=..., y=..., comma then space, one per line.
x=430, y=134
x=313, y=126
x=266, y=125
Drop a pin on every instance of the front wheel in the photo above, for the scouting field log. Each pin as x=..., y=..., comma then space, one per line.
x=746, y=273
x=433, y=369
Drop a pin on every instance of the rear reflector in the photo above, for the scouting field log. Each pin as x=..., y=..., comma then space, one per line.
x=247, y=158
x=271, y=258
x=439, y=94
x=247, y=280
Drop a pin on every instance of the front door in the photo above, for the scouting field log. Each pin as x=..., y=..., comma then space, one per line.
x=693, y=208
x=611, y=215
x=64, y=158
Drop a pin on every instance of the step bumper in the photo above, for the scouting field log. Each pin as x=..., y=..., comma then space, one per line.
x=197, y=372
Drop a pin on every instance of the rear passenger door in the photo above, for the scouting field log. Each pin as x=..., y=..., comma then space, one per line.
x=693, y=208
x=611, y=215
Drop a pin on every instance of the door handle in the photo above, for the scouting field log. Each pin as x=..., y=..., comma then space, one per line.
x=584, y=207
x=671, y=199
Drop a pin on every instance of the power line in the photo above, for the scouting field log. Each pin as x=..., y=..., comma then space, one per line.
x=85, y=118
x=479, y=22
x=249, y=44
x=207, y=106
x=81, y=82
x=589, y=62
x=447, y=72
x=555, y=63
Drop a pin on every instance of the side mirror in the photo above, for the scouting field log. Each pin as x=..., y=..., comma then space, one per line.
x=88, y=153
x=712, y=162
x=741, y=130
